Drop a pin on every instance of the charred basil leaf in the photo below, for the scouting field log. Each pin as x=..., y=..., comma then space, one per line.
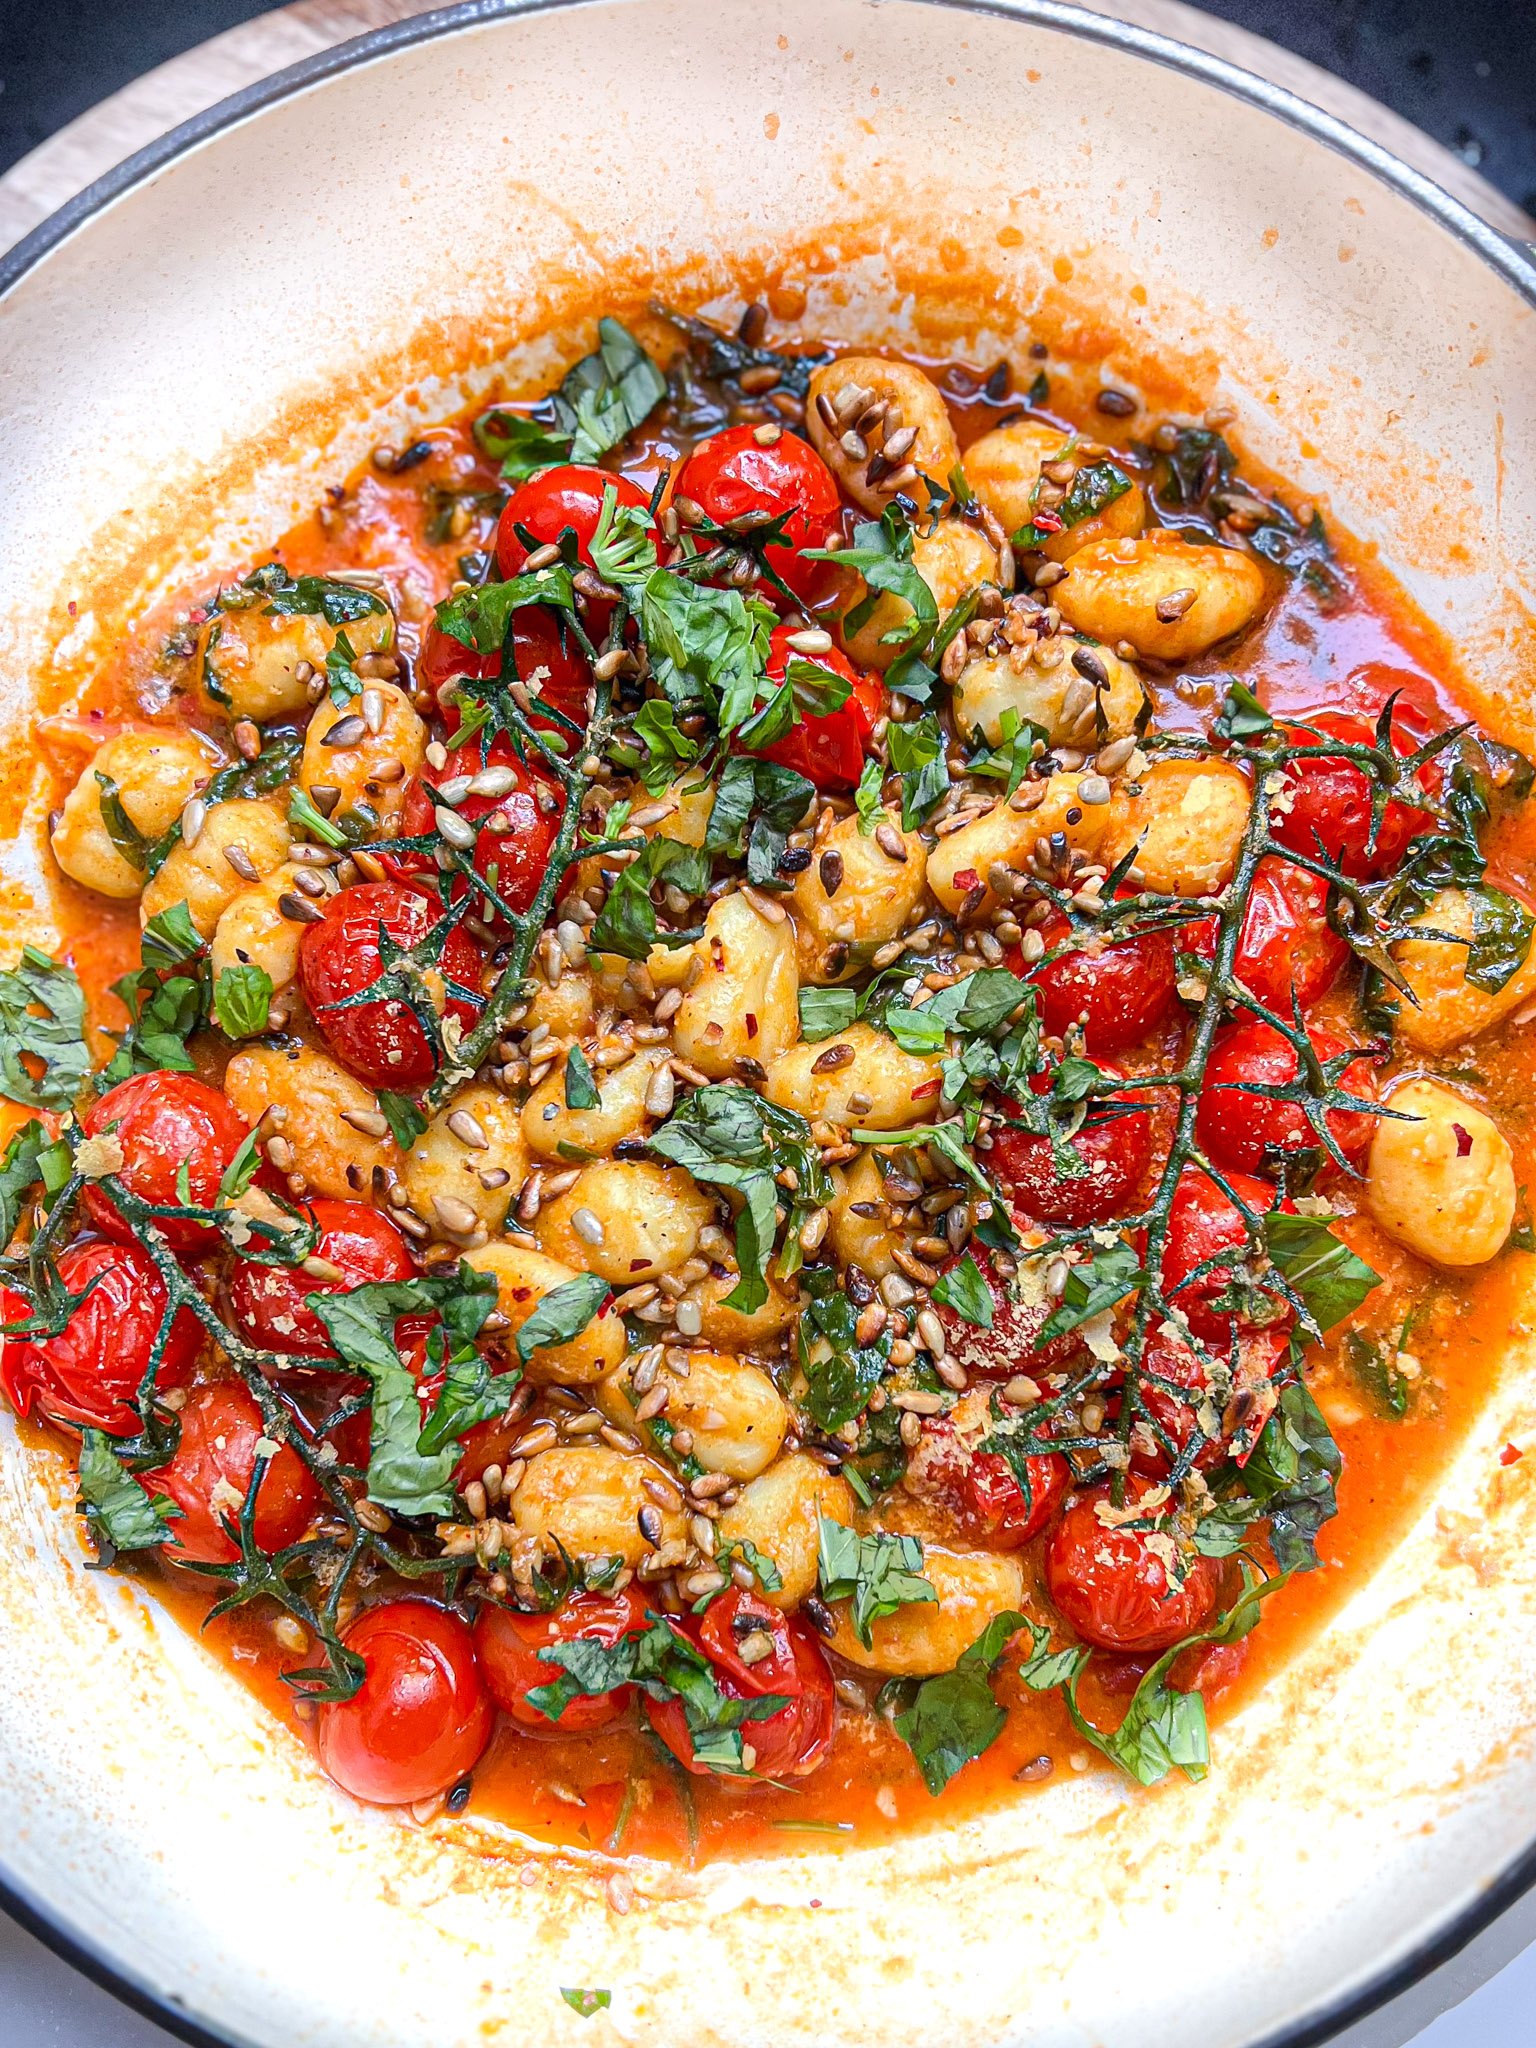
x=1292, y=1475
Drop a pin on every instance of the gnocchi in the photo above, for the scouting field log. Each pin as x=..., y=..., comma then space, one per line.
x=256, y=663
x=339, y=1142
x=971, y=1588
x=1006, y=837
x=462, y=1186
x=863, y=406
x=523, y=1278
x=369, y=766
x=586, y=1501
x=951, y=558
x=1186, y=822
x=552, y=1131
x=858, y=1076
x=732, y=1411
x=627, y=1220
x=744, y=1004
x=1003, y=469
x=153, y=774
x=241, y=842
x=1170, y=599
x=1053, y=698
x=856, y=895
x=1441, y=1177
x=779, y=1513
x=1444, y=1008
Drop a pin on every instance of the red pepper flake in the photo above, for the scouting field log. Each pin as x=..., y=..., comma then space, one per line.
x=638, y=1265
x=1047, y=522
x=751, y=1025
x=967, y=879
x=522, y=1294
x=926, y=1088
x=1463, y=1141
x=74, y=609
x=1511, y=1454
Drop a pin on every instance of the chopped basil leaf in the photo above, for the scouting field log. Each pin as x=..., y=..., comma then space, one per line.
x=522, y=446
x=1242, y=716
x=42, y=1019
x=21, y=1170
x=964, y=1290
x=580, y=1088
x=1330, y=1279
x=117, y=1510
x=1501, y=938
x=918, y=755
x=876, y=1574
x=121, y=830
x=826, y=1011
x=1292, y=1476
x=242, y=1001
x=761, y=1566
x=405, y=1120
x=840, y=1373
x=481, y=618
x=562, y=1315
x=586, y=2002
x=607, y=394
x=471, y=1394
x=1103, y=1281
x=867, y=800
x=338, y=603
x=950, y=1720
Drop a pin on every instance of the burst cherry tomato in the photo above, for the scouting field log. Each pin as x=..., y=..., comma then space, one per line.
x=87, y=1376
x=1330, y=801
x=1202, y=1222
x=830, y=748
x=211, y=1469
x=1012, y=1344
x=1240, y=1129
x=422, y=1717
x=513, y=854
x=569, y=496
x=789, y=1744
x=1286, y=942
x=1114, y=1146
x=732, y=476
x=508, y=1644
x=736, y=1620
x=981, y=1489
x=1114, y=1588
x=536, y=645
x=269, y=1300
x=164, y=1123
x=1118, y=993
x=382, y=1040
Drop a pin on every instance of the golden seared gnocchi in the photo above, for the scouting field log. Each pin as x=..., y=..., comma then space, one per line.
x=587, y=1501
x=360, y=757
x=464, y=1171
x=1443, y=1008
x=860, y=1229
x=862, y=889
x=734, y=1416
x=779, y=1514
x=1005, y=837
x=627, y=1220
x=879, y=425
x=1169, y=598
x=970, y=1587
x=332, y=1134
x=951, y=558
x=524, y=1278
x=551, y=1130
x=241, y=842
x=1088, y=697
x=1029, y=467
x=1185, y=820
x=258, y=660
x=150, y=775
x=858, y=1076
x=252, y=930
x=1441, y=1178
x=744, y=1004
x=735, y=1329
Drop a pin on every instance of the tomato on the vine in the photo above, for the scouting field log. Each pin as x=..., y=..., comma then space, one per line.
x=733, y=475
x=1202, y=1221
x=515, y=830
x=982, y=1490
x=422, y=1717
x=1113, y=1146
x=570, y=495
x=1242, y=1129
x=1328, y=812
x=176, y=1134
x=828, y=747
x=1117, y=992
x=1177, y=1392
x=210, y=1471
x=269, y=1301
x=88, y=1375
x=540, y=653
x=508, y=1644
x=382, y=1040
x=1114, y=1585
x=1286, y=943
x=788, y=1744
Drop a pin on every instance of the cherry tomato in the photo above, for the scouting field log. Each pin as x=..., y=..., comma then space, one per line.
x=422, y=1717
x=1330, y=801
x=513, y=855
x=381, y=1041
x=508, y=1645
x=789, y=1744
x=164, y=1123
x=1202, y=1222
x=1012, y=1344
x=732, y=476
x=1237, y=1128
x=87, y=1376
x=568, y=496
x=1114, y=1146
x=537, y=645
x=981, y=1490
x=1117, y=993
x=1174, y=1420
x=736, y=1619
x=1286, y=942
x=211, y=1469
x=1115, y=1590
x=830, y=748
x=269, y=1301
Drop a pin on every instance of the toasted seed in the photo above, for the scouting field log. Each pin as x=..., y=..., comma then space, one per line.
x=834, y=1057
x=1112, y=758
x=607, y=666
x=193, y=818
x=371, y=1122
x=872, y=1320
x=325, y=796
x=688, y=1318
x=931, y=1330
x=917, y=1401
x=372, y=1516
x=830, y=869
x=708, y=1484
x=493, y=782
x=346, y=732
x=1174, y=605
x=242, y=863
x=469, y=1130
x=890, y=843
x=1094, y=789
x=899, y=444
x=587, y=1226
x=299, y=909
x=1021, y=1390
x=454, y=1215
x=453, y=828
x=373, y=710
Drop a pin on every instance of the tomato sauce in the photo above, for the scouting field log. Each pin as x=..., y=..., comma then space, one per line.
x=614, y=1790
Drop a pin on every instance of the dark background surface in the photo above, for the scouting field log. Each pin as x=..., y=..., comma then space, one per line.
x=1465, y=70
